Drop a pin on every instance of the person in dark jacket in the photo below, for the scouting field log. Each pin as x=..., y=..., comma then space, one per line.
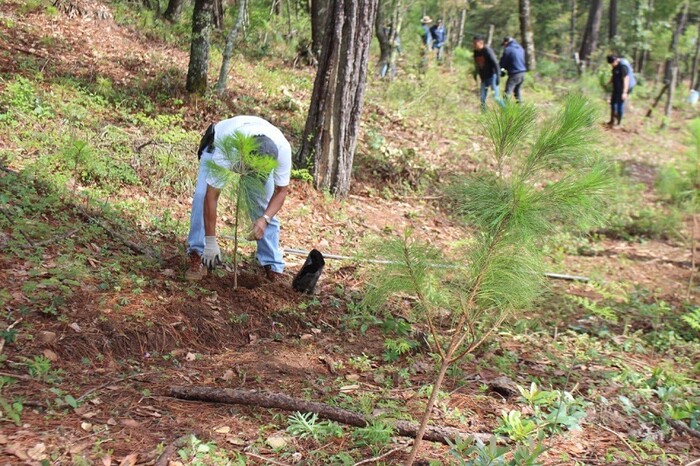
x=486, y=66
x=620, y=90
x=439, y=34
x=513, y=62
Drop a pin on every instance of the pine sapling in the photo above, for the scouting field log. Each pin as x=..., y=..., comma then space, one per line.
x=555, y=182
x=243, y=176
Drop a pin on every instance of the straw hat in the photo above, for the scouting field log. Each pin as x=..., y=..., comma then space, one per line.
x=426, y=19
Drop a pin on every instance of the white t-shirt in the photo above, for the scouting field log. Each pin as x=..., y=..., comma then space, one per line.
x=253, y=126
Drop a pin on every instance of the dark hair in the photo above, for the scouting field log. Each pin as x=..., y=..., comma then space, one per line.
x=266, y=146
x=507, y=39
x=611, y=59
x=478, y=37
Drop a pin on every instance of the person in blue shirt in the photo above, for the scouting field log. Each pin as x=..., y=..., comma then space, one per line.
x=439, y=34
x=427, y=36
x=513, y=63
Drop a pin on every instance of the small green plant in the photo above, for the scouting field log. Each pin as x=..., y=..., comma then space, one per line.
x=242, y=179
x=377, y=434
x=199, y=453
x=515, y=426
x=39, y=367
x=474, y=452
x=308, y=426
x=10, y=408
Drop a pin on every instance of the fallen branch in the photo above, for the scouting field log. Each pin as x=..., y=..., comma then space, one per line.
x=21, y=232
x=164, y=458
x=130, y=244
x=54, y=239
x=624, y=440
x=680, y=426
x=112, y=382
x=440, y=434
x=265, y=459
x=381, y=457
x=16, y=376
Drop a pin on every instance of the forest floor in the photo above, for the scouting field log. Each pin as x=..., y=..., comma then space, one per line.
x=97, y=321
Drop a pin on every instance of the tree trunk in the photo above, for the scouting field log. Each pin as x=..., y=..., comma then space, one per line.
x=333, y=121
x=199, y=51
x=489, y=38
x=172, y=12
x=572, y=27
x=218, y=14
x=228, y=50
x=590, y=35
x=320, y=10
x=462, y=22
x=383, y=35
x=645, y=53
x=670, y=91
x=694, y=82
x=672, y=61
x=285, y=402
x=526, y=35
x=612, y=21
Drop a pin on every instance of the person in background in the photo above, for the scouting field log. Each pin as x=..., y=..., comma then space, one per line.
x=203, y=250
x=486, y=66
x=439, y=34
x=620, y=90
x=513, y=63
x=427, y=36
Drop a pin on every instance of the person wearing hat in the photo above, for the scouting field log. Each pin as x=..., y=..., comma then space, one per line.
x=203, y=250
x=513, y=62
x=427, y=35
x=620, y=90
x=486, y=66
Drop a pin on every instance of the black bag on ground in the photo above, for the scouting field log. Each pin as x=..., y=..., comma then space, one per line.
x=305, y=280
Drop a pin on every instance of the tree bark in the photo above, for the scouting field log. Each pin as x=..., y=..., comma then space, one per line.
x=228, y=50
x=612, y=21
x=333, y=121
x=526, y=34
x=694, y=82
x=382, y=34
x=572, y=27
x=672, y=61
x=202, y=18
x=590, y=35
x=172, y=12
x=462, y=22
x=320, y=10
x=261, y=399
x=645, y=53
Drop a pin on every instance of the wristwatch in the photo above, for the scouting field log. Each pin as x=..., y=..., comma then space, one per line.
x=267, y=218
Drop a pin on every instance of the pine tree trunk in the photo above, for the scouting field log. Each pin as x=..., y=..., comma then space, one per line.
x=572, y=27
x=694, y=69
x=199, y=51
x=672, y=61
x=645, y=53
x=462, y=22
x=590, y=35
x=526, y=34
x=320, y=11
x=333, y=121
x=172, y=12
x=612, y=21
x=382, y=35
x=228, y=50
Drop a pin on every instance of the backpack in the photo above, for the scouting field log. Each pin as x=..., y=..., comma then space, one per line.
x=630, y=73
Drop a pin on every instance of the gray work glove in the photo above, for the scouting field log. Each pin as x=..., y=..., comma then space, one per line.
x=211, y=257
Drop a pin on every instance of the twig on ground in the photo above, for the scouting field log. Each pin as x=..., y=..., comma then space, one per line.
x=694, y=462
x=140, y=147
x=16, y=376
x=266, y=459
x=381, y=457
x=624, y=440
x=21, y=232
x=10, y=327
x=170, y=450
x=54, y=239
x=112, y=382
x=130, y=244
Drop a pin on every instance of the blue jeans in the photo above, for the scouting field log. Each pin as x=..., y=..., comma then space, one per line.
x=493, y=84
x=618, y=106
x=268, y=247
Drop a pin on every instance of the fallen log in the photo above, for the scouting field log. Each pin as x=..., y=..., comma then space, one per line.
x=440, y=434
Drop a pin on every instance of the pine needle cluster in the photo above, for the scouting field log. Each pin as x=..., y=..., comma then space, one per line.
x=243, y=175
x=556, y=181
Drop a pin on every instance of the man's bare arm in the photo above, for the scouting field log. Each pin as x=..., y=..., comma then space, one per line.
x=211, y=199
